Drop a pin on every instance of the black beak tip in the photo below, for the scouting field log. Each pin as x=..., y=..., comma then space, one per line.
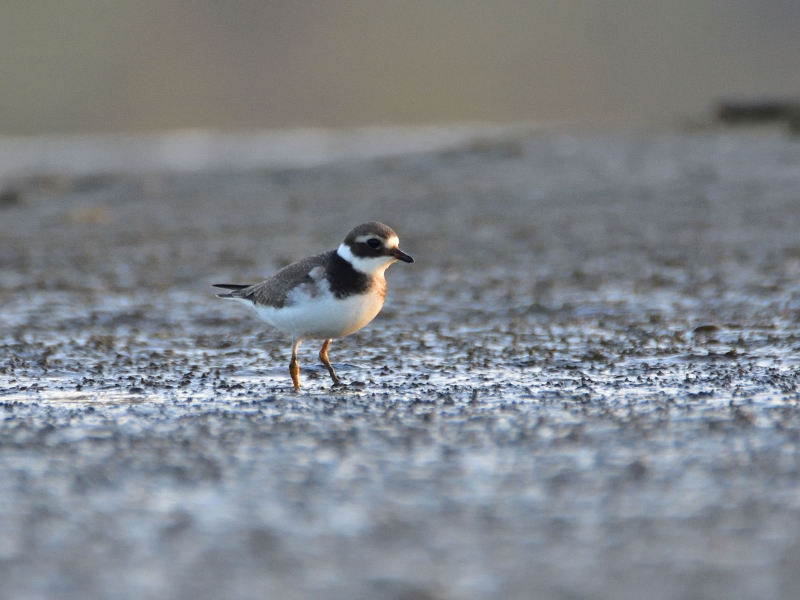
x=400, y=255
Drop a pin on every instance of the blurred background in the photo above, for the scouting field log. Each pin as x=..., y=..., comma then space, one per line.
x=587, y=386
x=78, y=66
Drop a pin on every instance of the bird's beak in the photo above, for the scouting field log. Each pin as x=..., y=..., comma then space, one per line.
x=400, y=255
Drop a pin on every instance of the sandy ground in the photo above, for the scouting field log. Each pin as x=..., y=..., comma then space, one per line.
x=584, y=388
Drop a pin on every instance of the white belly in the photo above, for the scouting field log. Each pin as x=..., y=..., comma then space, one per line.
x=323, y=316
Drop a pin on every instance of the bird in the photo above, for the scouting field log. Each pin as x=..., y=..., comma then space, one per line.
x=326, y=296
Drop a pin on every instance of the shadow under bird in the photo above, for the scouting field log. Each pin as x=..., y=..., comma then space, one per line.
x=326, y=296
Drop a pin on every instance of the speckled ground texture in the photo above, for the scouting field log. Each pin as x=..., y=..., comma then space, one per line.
x=584, y=388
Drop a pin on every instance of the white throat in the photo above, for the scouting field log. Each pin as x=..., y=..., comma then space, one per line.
x=371, y=266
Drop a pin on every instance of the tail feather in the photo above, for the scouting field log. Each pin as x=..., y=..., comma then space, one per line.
x=230, y=286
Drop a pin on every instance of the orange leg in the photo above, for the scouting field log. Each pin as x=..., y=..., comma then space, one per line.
x=294, y=367
x=323, y=356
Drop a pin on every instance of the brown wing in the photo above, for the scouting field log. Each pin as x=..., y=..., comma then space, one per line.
x=275, y=290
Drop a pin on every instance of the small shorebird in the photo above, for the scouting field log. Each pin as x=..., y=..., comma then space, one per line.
x=326, y=296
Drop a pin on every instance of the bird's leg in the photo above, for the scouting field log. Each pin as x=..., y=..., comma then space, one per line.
x=323, y=356
x=294, y=367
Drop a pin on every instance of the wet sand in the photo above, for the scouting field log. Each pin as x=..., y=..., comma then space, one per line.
x=585, y=387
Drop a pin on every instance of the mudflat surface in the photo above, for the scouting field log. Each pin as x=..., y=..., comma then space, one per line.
x=584, y=388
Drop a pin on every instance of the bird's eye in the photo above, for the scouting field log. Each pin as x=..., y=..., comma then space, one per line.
x=373, y=243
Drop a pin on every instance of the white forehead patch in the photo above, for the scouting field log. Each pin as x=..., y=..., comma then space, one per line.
x=392, y=242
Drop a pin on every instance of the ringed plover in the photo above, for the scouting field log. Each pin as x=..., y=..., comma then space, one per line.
x=326, y=296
